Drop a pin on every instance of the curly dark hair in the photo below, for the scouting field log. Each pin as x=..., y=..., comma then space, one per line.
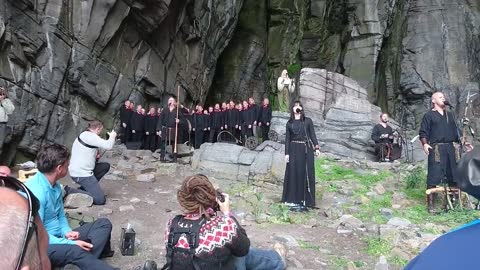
x=197, y=195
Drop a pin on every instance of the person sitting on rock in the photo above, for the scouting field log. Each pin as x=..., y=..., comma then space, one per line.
x=85, y=169
x=83, y=246
x=218, y=242
x=382, y=135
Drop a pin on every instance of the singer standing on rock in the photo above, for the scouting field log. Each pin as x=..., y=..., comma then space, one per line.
x=300, y=146
x=439, y=135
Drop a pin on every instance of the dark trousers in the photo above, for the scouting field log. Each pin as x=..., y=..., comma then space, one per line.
x=98, y=234
x=265, y=130
x=3, y=134
x=199, y=134
x=89, y=185
x=213, y=135
x=150, y=142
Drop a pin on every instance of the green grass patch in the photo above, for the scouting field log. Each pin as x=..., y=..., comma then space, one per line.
x=307, y=245
x=418, y=214
x=371, y=210
x=397, y=261
x=377, y=247
x=369, y=180
x=338, y=262
x=328, y=170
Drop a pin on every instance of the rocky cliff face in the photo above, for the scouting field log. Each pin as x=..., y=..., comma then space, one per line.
x=67, y=61
x=400, y=51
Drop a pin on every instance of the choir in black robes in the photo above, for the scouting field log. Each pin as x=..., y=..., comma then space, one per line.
x=440, y=132
x=265, y=118
x=299, y=181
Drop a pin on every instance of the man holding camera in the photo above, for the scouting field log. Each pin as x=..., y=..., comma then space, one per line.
x=85, y=169
x=6, y=108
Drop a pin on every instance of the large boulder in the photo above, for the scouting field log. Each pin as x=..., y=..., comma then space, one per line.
x=233, y=162
x=340, y=110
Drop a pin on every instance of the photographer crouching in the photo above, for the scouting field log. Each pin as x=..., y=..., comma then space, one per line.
x=84, y=168
x=207, y=235
x=6, y=109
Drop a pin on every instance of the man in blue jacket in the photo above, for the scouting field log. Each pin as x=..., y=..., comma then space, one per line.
x=83, y=246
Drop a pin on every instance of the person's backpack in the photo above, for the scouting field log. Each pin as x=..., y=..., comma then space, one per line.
x=192, y=235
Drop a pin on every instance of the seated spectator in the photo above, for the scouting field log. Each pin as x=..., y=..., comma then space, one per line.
x=84, y=168
x=382, y=135
x=23, y=245
x=83, y=246
x=5, y=171
x=229, y=250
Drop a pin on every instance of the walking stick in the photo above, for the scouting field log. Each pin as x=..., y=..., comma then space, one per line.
x=176, y=125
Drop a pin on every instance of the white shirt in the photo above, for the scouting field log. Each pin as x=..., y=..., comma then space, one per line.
x=83, y=158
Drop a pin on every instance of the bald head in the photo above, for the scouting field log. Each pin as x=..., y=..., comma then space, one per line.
x=5, y=171
x=438, y=99
x=13, y=224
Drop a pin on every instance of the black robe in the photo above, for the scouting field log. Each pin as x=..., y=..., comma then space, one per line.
x=137, y=124
x=265, y=118
x=440, y=132
x=299, y=181
x=199, y=125
x=125, y=132
x=151, y=129
x=207, y=121
x=217, y=125
x=247, y=117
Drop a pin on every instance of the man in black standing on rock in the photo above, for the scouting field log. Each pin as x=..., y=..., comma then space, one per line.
x=382, y=135
x=255, y=114
x=169, y=122
x=439, y=135
x=265, y=118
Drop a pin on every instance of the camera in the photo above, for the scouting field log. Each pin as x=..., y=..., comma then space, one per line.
x=298, y=110
x=220, y=196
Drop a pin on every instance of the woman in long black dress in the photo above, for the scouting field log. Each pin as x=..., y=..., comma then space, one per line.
x=300, y=147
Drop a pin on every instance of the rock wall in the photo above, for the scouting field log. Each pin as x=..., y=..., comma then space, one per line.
x=67, y=61
x=400, y=51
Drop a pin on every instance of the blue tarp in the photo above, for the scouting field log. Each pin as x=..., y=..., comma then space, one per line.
x=454, y=250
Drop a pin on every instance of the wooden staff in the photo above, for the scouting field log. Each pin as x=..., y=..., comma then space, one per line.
x=176, y=123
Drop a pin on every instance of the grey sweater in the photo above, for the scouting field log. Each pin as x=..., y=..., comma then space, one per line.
x=83, y=158
x=6, y=108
